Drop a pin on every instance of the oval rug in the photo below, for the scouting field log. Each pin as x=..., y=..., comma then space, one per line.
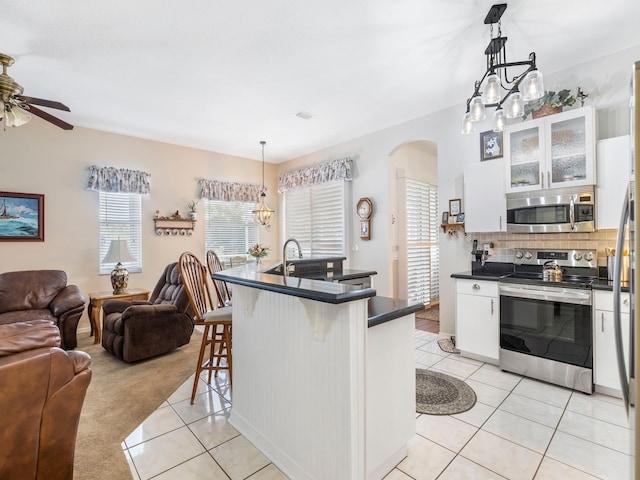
x=441, y=394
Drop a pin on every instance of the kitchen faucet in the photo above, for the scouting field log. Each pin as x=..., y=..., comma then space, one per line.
x=285, y=272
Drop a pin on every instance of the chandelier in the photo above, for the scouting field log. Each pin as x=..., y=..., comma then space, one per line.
x=525, y=86
x=262, y=213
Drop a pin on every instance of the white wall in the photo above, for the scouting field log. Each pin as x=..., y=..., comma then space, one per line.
x=41, y=158
x=606, y=80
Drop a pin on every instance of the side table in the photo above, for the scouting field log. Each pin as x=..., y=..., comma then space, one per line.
x=96, y=300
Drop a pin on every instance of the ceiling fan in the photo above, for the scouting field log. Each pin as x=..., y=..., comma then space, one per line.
x=13, y=104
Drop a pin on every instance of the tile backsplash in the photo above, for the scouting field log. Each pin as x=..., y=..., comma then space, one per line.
x=504, y=243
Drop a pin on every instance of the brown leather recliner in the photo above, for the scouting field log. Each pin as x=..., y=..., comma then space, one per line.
x=42, y=389
x=135, y=330
x=42, y=295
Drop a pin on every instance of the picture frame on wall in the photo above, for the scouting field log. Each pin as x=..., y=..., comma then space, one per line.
x=490, y=145
x=460, y=218
x=21, y=217
x=445, y=217
x=455, y=207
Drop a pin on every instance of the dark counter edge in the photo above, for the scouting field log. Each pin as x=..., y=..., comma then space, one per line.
x=384, y=309
x=304, y=288
x=477, y=276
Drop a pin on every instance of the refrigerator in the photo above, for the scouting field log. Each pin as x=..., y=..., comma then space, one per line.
x=627, y=238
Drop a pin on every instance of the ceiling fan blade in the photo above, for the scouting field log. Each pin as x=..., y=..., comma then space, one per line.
x=44, y=103
x=50, y=118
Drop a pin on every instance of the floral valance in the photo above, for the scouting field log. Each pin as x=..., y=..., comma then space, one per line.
x=339, y=169
x=123, y=180
x=230, y=191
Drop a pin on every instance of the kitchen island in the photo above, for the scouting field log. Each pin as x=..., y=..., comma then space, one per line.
x=323, y=374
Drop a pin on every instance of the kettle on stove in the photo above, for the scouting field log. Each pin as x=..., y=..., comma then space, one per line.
x=551, y=272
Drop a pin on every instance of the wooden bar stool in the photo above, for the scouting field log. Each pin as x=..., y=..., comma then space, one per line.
x=216, y=321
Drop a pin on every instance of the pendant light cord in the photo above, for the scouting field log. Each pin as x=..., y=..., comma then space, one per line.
x=263, y=144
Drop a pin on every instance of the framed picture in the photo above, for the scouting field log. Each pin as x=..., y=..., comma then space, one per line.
x=490, y=145
x=445, y=217
x=460, y=218
x=455, y=206
x=21, y=217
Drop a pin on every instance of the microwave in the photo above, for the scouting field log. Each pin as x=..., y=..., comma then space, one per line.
x=562, y=210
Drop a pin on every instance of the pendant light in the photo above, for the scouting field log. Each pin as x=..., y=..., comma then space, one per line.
x=521, y=80
x=262, y=213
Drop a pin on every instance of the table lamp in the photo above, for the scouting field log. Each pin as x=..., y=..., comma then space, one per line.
x=119, y=252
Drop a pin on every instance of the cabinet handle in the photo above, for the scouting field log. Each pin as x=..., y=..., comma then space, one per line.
x=492, y=306
x=548, y=179
x=476, y=286
x=602, y=322
x=541, y=180
x=500, y=222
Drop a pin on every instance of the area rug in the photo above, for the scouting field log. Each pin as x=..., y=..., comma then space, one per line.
x=441, y=394
x=119, y=398
x=447, y=345
x=432, y=313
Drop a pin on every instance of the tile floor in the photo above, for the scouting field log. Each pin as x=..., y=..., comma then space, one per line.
x=518, y=429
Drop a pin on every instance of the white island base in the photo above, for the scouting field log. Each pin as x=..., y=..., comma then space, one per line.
x=318, y=392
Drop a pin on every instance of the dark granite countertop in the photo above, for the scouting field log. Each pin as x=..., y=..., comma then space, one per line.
x=383, y=309
x=604, y=284
x=345, y=274
x=494, y=277
x=252, y=275
x=492, y=271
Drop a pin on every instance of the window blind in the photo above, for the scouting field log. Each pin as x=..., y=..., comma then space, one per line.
x=423, y=262
x=229, y=228
x=120, y=219
x=315, y=216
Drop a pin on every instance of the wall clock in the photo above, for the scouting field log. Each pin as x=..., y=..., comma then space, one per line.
x=364, y=208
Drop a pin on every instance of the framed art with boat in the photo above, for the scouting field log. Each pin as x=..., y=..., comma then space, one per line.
x=21, y=217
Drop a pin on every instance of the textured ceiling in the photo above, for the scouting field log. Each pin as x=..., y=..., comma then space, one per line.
x=223, y=75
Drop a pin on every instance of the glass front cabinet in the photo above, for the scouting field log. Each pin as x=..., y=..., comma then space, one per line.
x=551, y=152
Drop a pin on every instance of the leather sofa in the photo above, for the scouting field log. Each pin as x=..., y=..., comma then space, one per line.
x=134, y=329
x=42, y=295
x=42, y=393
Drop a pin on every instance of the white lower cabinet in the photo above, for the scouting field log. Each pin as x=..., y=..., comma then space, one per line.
x=478, y=319
x=605, y=362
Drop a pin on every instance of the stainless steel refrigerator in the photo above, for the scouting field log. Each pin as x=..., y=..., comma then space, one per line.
x=627, y=229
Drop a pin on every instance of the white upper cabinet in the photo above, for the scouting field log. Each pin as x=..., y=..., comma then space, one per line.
x=551, y=152
x=484, y=197
x=613, y=160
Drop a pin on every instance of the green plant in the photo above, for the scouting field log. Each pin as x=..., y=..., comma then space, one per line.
x=193, y=206
x=563, y=98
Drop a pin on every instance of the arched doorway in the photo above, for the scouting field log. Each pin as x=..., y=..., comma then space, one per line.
x=413, y=187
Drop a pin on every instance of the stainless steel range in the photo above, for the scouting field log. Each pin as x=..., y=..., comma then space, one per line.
x=545, y=317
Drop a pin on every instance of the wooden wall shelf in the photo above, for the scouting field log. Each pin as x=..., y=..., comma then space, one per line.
x=445, y=226
x=174, y=226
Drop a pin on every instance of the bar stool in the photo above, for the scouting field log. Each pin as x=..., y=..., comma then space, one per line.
x=216, y=321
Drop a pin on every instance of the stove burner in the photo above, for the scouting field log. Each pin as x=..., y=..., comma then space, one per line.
x=578, y=268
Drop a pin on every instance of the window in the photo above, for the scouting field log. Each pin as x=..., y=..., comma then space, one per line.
x=229, y=228
x=423, y=265
x=120, y=219
x=315, y=216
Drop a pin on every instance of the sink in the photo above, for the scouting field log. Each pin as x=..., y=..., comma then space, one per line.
x=311, y=268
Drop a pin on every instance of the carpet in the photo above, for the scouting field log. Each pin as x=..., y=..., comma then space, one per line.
x=119, y=398
x=441, y=394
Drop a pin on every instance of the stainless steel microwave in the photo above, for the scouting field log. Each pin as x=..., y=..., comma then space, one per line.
x=561, y=210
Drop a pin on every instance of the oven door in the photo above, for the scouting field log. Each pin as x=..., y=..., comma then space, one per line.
x=553, y=323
